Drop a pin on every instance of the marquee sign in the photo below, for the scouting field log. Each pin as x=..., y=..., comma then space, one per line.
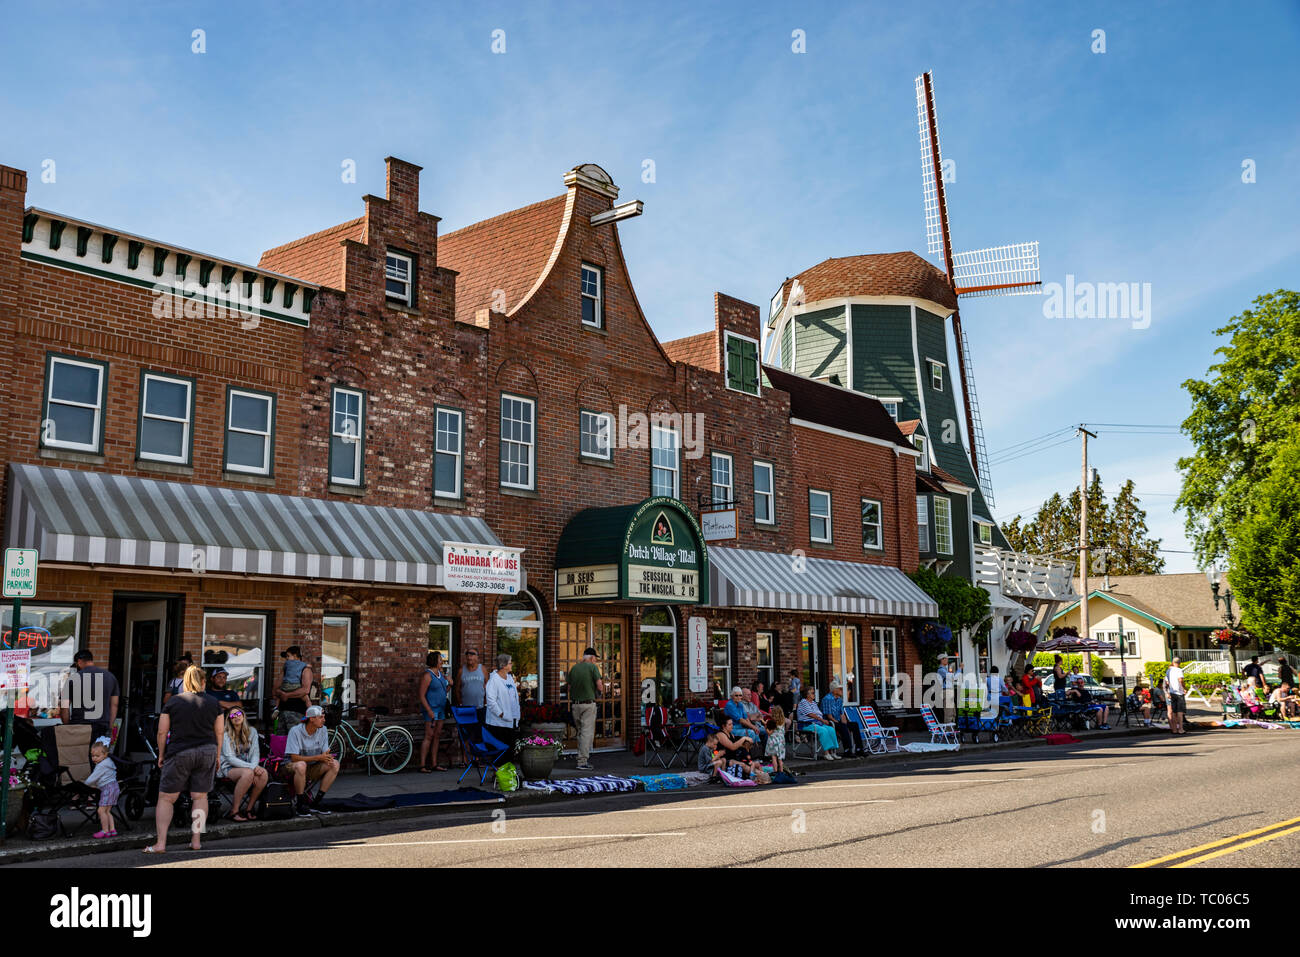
x=649, y=552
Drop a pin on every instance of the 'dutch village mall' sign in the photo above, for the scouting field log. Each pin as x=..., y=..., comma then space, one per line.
x=649, y=552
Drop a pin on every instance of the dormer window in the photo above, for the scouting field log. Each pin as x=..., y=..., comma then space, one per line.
x=936, y=375
x=399, y=278
x=923, y=460
x=593, y=297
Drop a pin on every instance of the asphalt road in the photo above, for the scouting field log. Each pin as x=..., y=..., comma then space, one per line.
x=1214, y=799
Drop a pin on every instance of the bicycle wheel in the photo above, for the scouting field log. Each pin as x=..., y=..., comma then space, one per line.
x=338, y=745
x=391, y=750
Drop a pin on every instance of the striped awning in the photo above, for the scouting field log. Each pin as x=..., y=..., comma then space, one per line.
x=93, y=518
x=745, y=578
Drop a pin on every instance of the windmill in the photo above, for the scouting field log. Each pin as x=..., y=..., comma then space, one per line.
x=996, y=271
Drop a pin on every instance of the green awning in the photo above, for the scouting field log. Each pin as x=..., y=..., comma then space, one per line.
x=651, y=551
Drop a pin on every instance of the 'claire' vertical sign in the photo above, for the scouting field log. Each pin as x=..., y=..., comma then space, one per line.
x=697, y=647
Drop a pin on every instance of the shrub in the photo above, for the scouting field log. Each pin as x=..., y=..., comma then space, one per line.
x=1156, y=671
x=1207, y=683
x=1071, y=662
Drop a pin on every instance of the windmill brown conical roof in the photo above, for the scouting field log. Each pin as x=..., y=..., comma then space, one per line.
x=874, y=274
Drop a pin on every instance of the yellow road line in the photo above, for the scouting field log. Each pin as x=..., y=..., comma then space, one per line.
x=1219, y=843
x=1237, y=847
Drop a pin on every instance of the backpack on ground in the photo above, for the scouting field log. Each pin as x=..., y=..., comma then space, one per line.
x=277, y=802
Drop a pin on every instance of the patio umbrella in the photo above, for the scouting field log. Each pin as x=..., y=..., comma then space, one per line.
x=1076, y=643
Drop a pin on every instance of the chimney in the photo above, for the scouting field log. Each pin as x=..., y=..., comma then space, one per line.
x=403, y=190
x=13, y=202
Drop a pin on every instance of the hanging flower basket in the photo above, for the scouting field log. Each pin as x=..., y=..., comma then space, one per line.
x=1065, y=631
x=932, y=636
x=1021, y=640
x=1232, y=638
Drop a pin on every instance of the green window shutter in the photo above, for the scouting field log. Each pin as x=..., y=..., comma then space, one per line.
x=749, y=367
x=735, y=374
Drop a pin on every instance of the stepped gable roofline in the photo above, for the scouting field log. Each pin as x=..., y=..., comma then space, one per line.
x=320, y=257
x=902, y=274
x=837, y=407
x=699, y=350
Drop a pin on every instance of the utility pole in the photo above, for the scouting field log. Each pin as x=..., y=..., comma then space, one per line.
x=1083, y=545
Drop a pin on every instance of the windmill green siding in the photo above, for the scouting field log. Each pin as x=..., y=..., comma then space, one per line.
x=821, y=349
x=787, y=337
x=882, y=355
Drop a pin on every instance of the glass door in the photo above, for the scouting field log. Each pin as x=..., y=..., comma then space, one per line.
x=884, y=662
x=844, y=660
x=809, y=671
x=607, y=639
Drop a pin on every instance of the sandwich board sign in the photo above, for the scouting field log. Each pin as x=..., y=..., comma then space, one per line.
x=20, y=573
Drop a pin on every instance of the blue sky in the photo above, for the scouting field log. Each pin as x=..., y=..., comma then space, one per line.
x=1125, y=165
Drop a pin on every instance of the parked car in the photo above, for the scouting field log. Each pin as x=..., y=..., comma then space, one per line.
x=1103, y=693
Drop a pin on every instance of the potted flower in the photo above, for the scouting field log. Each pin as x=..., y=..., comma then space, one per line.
x=544, y=718
x=537, y=755
x=1021, y=640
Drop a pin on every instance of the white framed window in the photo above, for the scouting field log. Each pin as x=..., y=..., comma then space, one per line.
x=923, y=460
x=595, y=429
x=236, y=641
x=721, y=482
x=399, y=278
x=166, y=417
x=665, y=465
x=819, y=515
x=519, y=634
x=764, y=498
x=936, y=375
x=518, y=441
x=742, y=363
x=1130, y=642
x=720, y=661
x=986, y=534
x=922, y=524
x=74, y=404
x=250, y=426
x=593, y=296
x=659, y=654
x=872, y=527
x=891, y=406
x=442, y=638
x=942, y=525
x=347, y=435
x=448, y=452
x=765, y=658
x=884, y=662
x=336, y=660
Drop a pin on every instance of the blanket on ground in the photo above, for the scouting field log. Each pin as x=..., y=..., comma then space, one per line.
x=1251, y=722
x=589, y=785
x=661, y=782
x=919, y=746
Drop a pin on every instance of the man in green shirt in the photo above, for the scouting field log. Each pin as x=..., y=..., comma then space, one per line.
x=584, y=685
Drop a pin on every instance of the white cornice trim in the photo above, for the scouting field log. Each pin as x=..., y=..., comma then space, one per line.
x=869, y=439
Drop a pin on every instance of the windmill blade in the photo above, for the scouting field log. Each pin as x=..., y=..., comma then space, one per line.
x=998, y=271
x=930, y=195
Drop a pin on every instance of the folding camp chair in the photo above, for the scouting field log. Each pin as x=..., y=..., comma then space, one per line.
x=940, y=732
x=656, y=737
x=61, y=772
x=887, y=737
x=478, y=743
x=804, y=741
x=694, y=734
x=873, y=743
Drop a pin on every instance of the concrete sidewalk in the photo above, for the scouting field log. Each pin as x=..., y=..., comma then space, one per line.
x=621, y=763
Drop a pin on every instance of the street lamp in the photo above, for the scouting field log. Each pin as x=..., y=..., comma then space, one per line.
x=1214, y=576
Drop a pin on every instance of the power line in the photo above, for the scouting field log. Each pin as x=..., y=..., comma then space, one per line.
x=1012, y=448
x=1034, y=451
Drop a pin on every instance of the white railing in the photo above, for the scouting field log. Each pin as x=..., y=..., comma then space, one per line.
x=1021, y=575
x=1243, y=656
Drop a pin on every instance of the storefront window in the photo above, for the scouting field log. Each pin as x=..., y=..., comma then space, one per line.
x=884, y=662
x=764, y=645
x=808, y=657
x=336, y=661
x=236, y=640
x=844, y=660
x=720, y=644
x=440, y=640
x=519, y=634
x=658, y=656
x=52, y=635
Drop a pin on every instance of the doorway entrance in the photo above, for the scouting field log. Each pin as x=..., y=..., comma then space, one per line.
x=609, y=637
x=143, y=647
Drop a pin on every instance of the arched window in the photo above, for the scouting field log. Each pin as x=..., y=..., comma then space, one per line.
x=519, y=634
x=658, y=655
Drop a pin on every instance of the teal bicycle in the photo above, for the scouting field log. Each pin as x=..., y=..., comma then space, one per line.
x=386, y=750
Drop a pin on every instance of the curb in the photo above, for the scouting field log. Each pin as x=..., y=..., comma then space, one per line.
x=84, y=846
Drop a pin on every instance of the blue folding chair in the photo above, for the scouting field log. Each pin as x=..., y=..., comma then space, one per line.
x=695, y=734
x=478, y=743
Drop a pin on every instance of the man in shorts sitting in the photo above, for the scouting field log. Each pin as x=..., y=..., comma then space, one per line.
x=307, y=759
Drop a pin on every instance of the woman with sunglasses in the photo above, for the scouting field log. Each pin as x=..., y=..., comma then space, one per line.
x=239, y=757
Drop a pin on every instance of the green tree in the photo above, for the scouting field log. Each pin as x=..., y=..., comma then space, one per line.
x=961, y=605
x=1241, y=412
x=1120, y=527
x=1265, y=553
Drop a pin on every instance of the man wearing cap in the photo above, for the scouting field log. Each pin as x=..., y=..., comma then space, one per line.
x=217, y=689
x=90, y=696
x=307, y=759
x=584, y=685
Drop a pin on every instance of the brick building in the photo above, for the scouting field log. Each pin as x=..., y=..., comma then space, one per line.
x=284, y=453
